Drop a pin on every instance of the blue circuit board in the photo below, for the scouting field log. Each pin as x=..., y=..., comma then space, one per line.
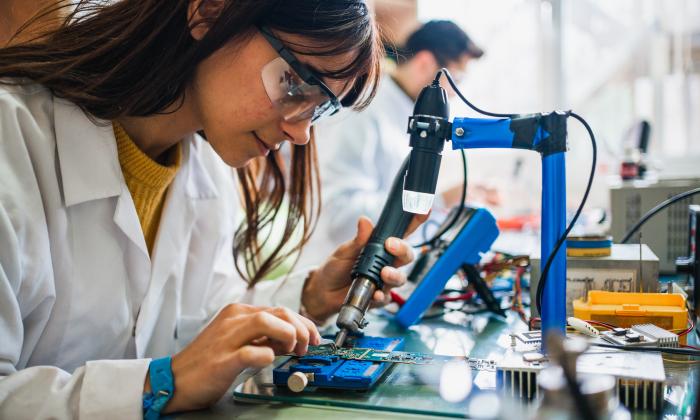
x=330, y=371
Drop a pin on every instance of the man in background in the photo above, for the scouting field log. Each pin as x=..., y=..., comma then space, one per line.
x=360, y=153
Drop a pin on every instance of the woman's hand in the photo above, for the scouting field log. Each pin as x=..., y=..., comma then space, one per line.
x=326, y=288
x=240, y=336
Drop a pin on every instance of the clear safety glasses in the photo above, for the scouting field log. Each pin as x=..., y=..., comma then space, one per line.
x=294, y=90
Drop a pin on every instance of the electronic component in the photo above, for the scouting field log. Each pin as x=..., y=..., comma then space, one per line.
x=640, y=377
x=641, y=335
x=374, y=355
x=529, y=337
x=629, y=268
x=582, y=327
x=667, y=233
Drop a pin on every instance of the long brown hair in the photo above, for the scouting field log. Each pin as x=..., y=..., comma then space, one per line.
x=136, y=58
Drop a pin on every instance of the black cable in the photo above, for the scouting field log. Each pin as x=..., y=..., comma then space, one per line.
x=458, y=214
x=669, y=350
x=562, y=238
x=482, y=289
x=471, y=105
x=426, y=225
x=651, y=213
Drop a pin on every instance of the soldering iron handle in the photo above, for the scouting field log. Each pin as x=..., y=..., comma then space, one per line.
x=394, y=221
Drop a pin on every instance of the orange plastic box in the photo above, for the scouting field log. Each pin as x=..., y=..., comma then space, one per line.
x=665, y=310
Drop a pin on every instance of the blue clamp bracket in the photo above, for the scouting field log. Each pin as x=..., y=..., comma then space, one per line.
x=546, y=134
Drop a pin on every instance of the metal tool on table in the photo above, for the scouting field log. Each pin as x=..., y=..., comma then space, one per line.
x=414, y=189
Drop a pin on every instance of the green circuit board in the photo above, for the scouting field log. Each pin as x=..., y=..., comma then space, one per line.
x=373, y=355
x=370, y=355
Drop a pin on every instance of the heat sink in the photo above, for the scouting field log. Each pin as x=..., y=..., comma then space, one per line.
x=640, y=376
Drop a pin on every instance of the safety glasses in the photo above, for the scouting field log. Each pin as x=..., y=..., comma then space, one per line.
x=293, y=89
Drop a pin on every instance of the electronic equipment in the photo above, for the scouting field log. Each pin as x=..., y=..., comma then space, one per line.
x=393, y=221
x=472, y=234
x=629, y=268
x=667, y=233
x=691, y=264
x=414, y=186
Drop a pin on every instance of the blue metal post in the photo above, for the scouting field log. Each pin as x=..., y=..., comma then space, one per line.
x=553, y=226
x=473, y=133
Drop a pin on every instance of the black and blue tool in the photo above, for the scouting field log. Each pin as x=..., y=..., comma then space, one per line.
x=459, y=248
x=414, y=189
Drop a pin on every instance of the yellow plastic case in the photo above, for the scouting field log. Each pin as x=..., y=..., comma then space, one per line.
x=665, y=310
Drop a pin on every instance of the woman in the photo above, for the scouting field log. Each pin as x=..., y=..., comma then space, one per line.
x=117, y=244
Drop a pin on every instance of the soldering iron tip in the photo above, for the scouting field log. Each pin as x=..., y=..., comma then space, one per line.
x=340, y=338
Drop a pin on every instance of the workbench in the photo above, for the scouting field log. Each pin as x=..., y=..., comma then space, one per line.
x=411, y=391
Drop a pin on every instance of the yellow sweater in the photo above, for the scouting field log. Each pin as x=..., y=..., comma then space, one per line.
x=147, y=181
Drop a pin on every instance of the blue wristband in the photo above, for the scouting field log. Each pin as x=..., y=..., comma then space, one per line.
x=162, y=388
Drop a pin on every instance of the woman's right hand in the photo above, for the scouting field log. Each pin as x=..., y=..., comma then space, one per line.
x=240, y=336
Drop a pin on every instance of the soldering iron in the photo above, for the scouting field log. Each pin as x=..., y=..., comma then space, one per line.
x=411, y=193
x=414, y=186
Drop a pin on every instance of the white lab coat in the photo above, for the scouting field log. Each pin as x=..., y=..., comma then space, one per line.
x=359, y=154
x=83, y=307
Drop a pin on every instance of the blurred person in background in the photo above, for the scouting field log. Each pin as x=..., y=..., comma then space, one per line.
x=367, y=148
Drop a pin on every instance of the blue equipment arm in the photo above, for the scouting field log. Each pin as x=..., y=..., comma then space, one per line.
x=546, y=134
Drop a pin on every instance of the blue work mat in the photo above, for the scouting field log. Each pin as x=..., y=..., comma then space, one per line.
x=334, y=372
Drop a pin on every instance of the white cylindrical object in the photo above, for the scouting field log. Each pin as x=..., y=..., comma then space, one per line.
x=583, y=327
x=417, y=202
x=297, y=381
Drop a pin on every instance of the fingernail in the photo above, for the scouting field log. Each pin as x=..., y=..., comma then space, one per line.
x=393, y=244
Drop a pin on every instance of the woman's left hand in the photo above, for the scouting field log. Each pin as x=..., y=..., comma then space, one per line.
x=326, y=288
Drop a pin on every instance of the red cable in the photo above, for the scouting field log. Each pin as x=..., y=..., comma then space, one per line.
x=601, y=324
x=397, y=298
x=689, y=329
x=454, y=298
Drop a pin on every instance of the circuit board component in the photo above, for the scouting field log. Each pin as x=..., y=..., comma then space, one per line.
x=375, y=355
x=641, y=335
